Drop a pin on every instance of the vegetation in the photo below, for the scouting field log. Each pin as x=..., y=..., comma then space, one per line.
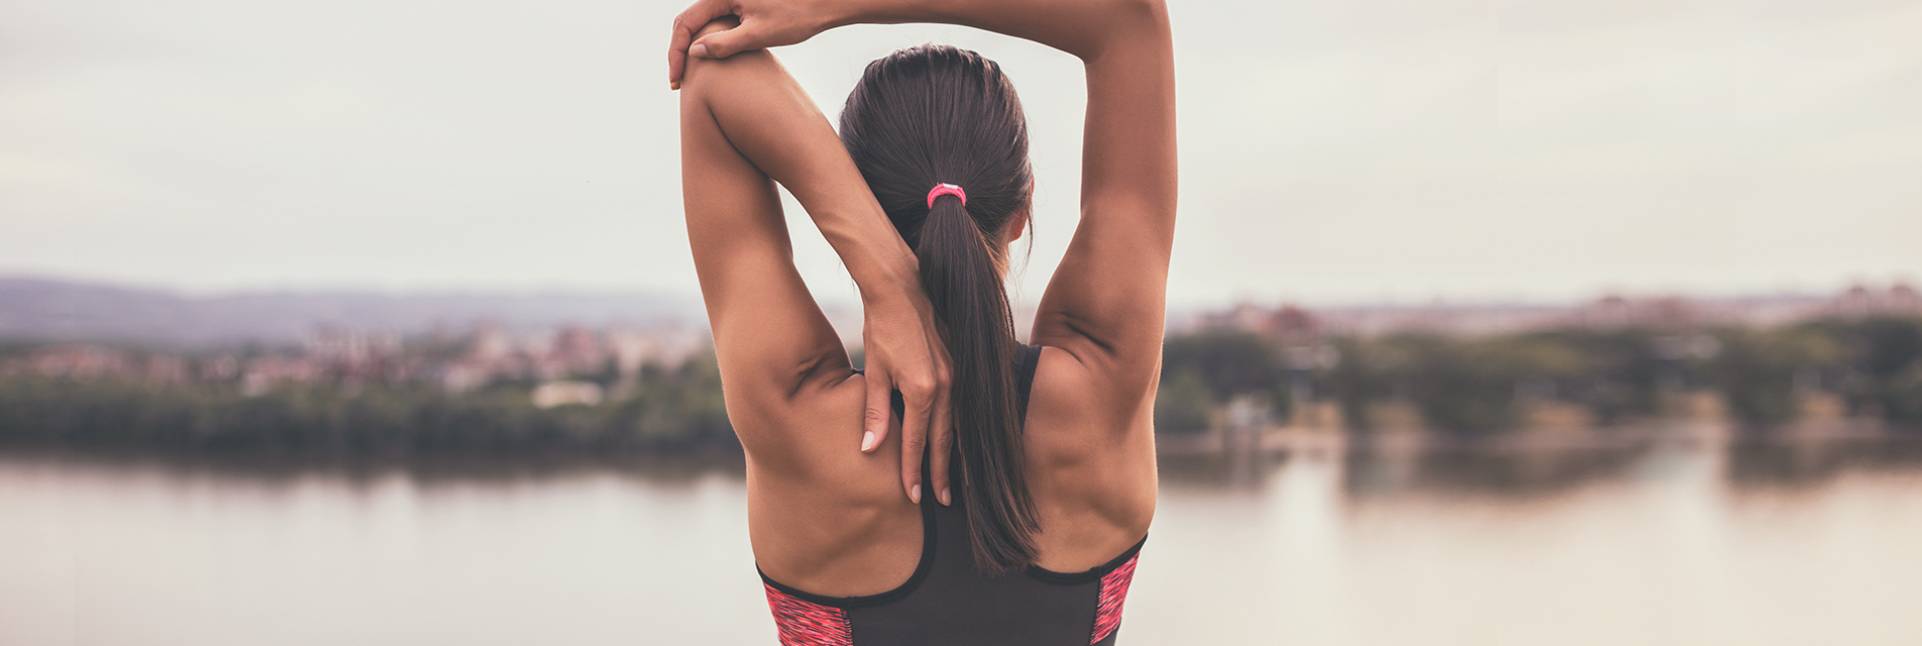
x=1203, y=370
x=1481, y=385
x=674, y=408
x=1467, y=386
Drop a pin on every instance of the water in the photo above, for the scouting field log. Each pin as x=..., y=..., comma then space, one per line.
x=1690, y=543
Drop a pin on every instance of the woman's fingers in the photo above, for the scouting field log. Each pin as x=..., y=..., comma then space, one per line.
x=943, y=424
x=722, y=44
x=918, y=394
x=686, y=26
x=874, y=421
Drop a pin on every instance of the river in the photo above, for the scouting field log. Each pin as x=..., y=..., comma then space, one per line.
x=1779, y=542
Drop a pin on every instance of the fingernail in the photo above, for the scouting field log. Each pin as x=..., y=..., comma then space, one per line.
x=673, y=86
x=943, y=497
x=914, y=494
x=698, y=49
x=867, y=441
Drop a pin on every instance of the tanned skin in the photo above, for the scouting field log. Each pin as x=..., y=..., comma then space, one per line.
x=828, y=510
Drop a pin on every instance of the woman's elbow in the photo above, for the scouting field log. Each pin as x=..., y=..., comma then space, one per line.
x=1151, y=12
x=706, y=76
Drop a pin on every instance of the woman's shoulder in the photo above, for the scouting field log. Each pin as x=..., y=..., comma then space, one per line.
x=1093, y=426
x=822, y=515
x=813, y=438
x=1091, y=462
x=1080, y=396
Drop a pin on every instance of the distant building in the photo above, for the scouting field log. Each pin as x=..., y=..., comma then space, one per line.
x=1287, y=323
x=79, y=361
x=261, y=374
x=1861, y=300
x=1291, y=324
x=565, y=393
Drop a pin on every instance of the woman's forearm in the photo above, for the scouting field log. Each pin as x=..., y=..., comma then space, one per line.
x=767, y=119
x=877, y=259
x=1083, y=28
x=770, y=120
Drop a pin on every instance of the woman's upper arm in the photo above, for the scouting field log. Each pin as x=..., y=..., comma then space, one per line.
x=770, y=337
x=1106, y=303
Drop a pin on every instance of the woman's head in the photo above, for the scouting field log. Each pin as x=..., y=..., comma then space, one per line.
x=938, y=114
x=934, y=115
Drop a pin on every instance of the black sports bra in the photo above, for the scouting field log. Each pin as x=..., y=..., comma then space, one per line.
x=946, y=602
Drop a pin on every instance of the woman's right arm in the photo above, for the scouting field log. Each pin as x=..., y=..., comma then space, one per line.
x=1106, y=303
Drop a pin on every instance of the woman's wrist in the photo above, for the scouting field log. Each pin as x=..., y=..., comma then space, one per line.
x=880, y=12
x=885, y=279
x=876, y=257
x=841, y=13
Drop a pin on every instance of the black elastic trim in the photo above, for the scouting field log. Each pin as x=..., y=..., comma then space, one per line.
x=1095, y=574
x=928, y=537
x=1026, y=359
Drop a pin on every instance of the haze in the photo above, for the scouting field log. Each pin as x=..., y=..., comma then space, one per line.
x=1331, y=151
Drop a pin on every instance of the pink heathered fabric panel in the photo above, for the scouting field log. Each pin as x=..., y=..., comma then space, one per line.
x=804, y=623
x=1114, y=592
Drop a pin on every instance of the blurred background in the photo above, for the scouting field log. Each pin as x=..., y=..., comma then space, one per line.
x=1493, y=323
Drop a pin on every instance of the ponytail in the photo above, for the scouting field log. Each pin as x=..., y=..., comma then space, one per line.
x=960, y=273
x=920, y=118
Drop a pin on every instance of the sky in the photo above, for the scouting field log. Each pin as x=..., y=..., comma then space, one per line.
x=1358, y=151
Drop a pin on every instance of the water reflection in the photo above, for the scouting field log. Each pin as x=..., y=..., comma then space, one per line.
x=428, y=473
x=1546, y=469
x=1790, y=463
x=1653, y=538
x=1488, y=472
x=1492, y=468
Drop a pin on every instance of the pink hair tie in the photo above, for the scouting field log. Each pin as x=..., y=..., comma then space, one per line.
x=946, y=189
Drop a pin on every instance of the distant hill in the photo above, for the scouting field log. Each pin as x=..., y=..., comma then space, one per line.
x=53, y=309
x=39, y=309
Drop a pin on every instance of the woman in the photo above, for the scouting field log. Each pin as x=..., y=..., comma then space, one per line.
x=1039, y=459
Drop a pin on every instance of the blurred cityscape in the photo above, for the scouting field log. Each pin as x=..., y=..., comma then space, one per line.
x=1238, y=377
x=570, y=365
x=1614, y=347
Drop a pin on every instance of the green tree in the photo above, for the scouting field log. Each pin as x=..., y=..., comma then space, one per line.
x=1229, y=363
x=1756, y=371
x=1184, y=404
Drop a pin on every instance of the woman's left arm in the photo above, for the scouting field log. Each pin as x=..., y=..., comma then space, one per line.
x=745, y=126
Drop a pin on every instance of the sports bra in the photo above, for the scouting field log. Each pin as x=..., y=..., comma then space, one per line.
x=946, y=602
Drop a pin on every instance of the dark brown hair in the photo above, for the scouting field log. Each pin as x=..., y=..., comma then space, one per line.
x=935, y=114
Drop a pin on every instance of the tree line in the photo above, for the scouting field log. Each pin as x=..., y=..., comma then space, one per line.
x=669, y=408
x=1480, y=385
x=1468, y=386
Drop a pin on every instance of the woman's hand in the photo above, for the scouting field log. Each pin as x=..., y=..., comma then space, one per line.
x=904, y=348
x=905, y=353
x=763, y=24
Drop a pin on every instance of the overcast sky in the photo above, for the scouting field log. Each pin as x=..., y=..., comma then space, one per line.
x=1359, y=150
